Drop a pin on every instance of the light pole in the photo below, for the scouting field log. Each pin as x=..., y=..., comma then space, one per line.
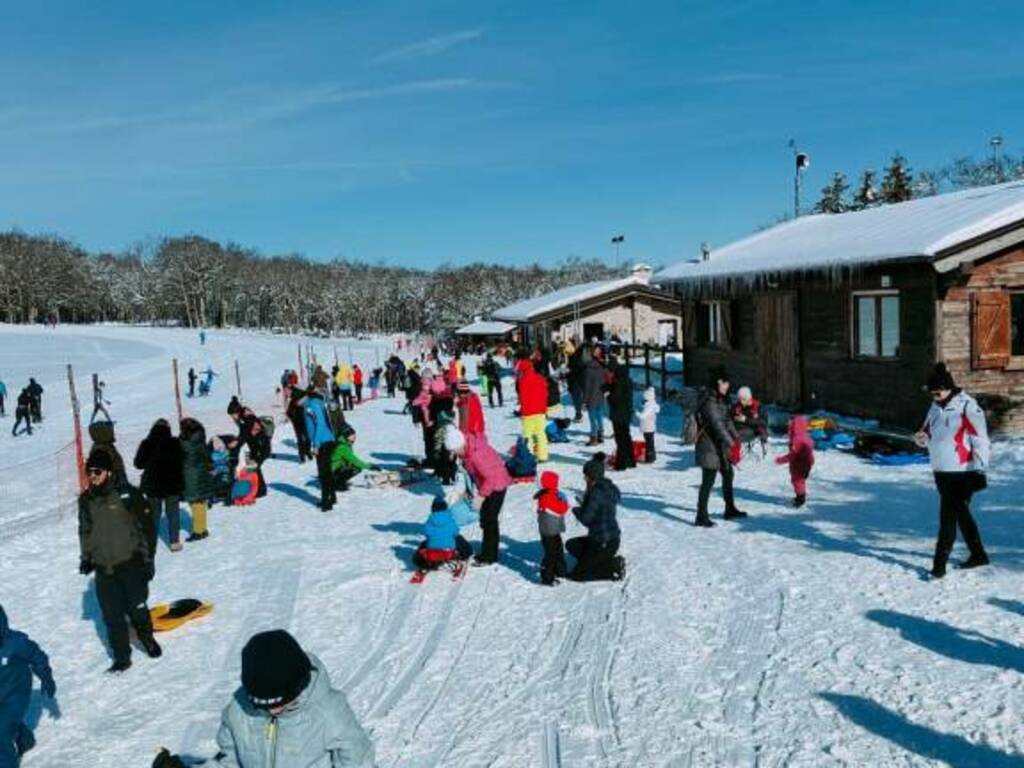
x=617, y=241
x=996, y=142
x=802, y=160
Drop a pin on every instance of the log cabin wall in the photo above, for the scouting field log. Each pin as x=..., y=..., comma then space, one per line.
x=957, y=343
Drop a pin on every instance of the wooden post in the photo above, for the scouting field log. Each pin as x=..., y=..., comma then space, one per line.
x=647, y=365
x=238, y=379
x=335, y=354
x=302, y=368
x=76, y=412
x=177, y=387
x=664, y=375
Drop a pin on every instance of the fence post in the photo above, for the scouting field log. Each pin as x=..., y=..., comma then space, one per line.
x=647, y=365
x=664, y=375
x=336, y=354
x=238, y=379
x=76, y=412
x=177, y=387
x=302, y=368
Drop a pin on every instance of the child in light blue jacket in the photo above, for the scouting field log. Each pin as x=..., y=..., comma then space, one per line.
x=443, y=541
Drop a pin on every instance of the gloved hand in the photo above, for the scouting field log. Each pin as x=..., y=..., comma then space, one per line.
x=49, y=688
x=166, y=760
x=85, y=567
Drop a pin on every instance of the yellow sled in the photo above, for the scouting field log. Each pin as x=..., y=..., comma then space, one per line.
x=168, y=616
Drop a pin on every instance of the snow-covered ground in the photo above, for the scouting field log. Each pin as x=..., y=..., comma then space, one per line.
x=794, y=638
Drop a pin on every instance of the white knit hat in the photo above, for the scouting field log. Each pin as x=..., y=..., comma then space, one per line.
x=745, y=395
x=454, y=441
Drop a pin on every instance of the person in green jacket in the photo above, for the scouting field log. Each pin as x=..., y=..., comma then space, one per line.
x=198, y=471
x=345, y=464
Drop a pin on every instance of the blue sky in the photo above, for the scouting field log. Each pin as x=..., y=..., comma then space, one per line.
x=426, y=132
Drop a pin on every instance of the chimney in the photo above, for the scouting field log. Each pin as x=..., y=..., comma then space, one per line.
x=705, y=252
x=643, y=272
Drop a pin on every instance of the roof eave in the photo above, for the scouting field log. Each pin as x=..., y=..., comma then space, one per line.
x=975, y=249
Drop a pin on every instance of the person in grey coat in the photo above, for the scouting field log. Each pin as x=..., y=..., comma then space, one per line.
x=593, y=394
x=714, y=446
x=286, y=714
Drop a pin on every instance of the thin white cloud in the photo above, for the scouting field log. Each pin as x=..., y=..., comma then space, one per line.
x=433, y=46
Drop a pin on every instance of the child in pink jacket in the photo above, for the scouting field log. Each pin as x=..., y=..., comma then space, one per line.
x=800, y=458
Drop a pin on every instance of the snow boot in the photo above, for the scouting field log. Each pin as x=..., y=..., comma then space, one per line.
x=939, y=563
x=197, y=537
x=799, y=501
x=703, y=520
x=734, y=514
x=119, y=666
x=481, y=562
x=974, y=561
x=24, y=741
x=152, y=647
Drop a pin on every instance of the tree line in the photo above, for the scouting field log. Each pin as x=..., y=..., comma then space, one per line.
x=899, y=184
x=198, y=282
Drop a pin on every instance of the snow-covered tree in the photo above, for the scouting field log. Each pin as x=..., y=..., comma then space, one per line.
x=898, y=182
x=833, y=196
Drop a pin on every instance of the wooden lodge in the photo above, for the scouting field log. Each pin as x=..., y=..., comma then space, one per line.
x=849, y=312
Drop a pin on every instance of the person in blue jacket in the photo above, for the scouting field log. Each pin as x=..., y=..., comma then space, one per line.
x=322, y=440
x=20, y=658
x=442, y=535
x=3, y=397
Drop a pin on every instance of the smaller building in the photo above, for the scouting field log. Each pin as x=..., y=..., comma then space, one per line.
x=486, y=332
x=630, y=309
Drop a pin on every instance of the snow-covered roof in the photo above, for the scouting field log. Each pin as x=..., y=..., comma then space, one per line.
x=526, y=310
x=485, y=328
x=918, y=229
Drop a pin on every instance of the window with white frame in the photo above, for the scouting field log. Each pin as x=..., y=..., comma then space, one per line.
x=710, y=326
x=876, y=324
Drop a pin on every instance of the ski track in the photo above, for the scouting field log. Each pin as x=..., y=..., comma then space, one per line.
x=550, y=749
x=392, y=633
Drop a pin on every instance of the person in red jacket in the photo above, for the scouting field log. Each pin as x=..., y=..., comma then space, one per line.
x=800, y=458
x=533, y=409
x=357, y=381
x=552, y=507
x=470, y=409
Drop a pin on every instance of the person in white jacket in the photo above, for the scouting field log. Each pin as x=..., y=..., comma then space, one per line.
x=648, y=423
x=956, y=436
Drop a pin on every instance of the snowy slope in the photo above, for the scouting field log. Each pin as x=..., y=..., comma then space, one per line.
x=791, y=639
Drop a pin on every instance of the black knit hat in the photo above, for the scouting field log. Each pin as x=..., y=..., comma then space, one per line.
x=275, y=669
x=594, y=468
x=940, y=378
x=234, y=406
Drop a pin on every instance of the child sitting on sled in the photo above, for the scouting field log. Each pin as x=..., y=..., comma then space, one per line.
x=345, y=464
x=552, y=507
x=800, y=458
x=443, y=542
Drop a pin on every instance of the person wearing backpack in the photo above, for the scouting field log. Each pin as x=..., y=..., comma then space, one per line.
x=956, y=436
x=714, y=446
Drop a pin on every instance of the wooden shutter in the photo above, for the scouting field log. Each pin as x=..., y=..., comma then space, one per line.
x=727, y=326
x=990, y=340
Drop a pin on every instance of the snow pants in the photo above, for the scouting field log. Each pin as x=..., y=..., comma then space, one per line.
x=198, y=510
x=494, y=388
x=463, y=551
x=489, y=524
x=553, y=564
x=167, y=506
x=346, y=399
x=15, y=740
x=623, y=445
x=429, y=450
x=650, y=455
x=359, y=393
x=576, y=394
x=594, y=561
x=799, y=484
x=707, y=482
x=328, y=496
x=21, y=414
x=2, y=411
x=301, y=437
x=124, y=593
x=536, y=436
x=955, y=491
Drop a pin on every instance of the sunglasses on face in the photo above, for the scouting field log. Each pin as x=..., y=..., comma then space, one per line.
x=95, y=472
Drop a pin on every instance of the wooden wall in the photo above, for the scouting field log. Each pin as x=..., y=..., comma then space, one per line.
x=953, y=307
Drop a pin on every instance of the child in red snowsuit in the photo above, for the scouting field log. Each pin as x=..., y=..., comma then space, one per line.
x=800, y=458
x=551, y=509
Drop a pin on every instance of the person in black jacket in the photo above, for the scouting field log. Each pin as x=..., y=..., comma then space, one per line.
x=297, y=416
x=113, y=539
x=620, y=407
x=35, y=391
x=490, y=368
x=162, y=461
x=714, y=446
x=23, y=412
x=597, y=553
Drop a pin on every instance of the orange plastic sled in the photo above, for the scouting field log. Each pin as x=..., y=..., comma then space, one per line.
x=168, y=616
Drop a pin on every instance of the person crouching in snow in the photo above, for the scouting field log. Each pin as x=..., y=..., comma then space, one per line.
x=596, y=554
x=648, y=423
x=345, y=464
x=286, y=714
x=800, y=458
x=443, y=541
x=20, y=658
x=551, y=509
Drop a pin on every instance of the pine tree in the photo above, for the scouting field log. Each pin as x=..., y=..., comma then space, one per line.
x=866, y=195
x=898, y=183
x=833, y=196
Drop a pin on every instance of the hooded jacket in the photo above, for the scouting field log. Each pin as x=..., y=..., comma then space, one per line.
x=198, y=469
x=344, y=457
x=20, y=658
x=801, y=449
x=717, y=433
x=318, y=426
x=441, y=529
x=471, y=414
x=111, y=531
x=649, y=413
x=597, y=511
x=162, y=463
x=552, y=506
x=533, y=393
x=957, y=435
x=318, y=731
x=485, y=466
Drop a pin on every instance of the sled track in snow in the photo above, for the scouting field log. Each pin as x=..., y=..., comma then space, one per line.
x=731, y=684
x=550, y=747
x=600, y=707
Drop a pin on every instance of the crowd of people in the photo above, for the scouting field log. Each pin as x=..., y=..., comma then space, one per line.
x=285, y=690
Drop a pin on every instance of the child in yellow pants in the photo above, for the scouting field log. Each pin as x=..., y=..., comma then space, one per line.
x=198, y=510
x=535, y=435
